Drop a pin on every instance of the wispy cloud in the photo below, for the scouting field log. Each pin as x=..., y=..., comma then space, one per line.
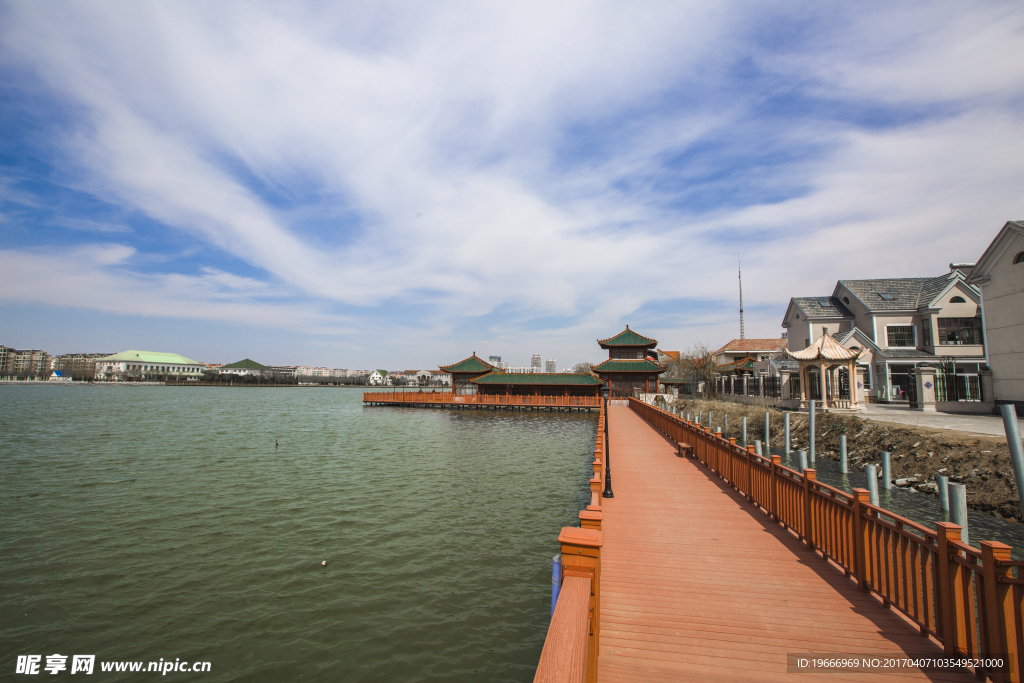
x=526, y=173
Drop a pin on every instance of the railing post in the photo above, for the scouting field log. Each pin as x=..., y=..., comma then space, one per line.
x=809, y=478
x=946, y=602
x=1000, y=624
x=861, y=540
x=581, y=556
x=773, y=508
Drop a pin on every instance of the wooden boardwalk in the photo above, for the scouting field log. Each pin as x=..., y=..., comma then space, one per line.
x=698, y=585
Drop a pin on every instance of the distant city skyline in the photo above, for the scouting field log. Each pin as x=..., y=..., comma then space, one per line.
x=358, y=185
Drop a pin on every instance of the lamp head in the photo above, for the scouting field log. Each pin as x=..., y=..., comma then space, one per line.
x=605, y=391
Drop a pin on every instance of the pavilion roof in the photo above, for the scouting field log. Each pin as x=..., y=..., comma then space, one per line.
x=827, y=348
x=628, y=338
x=647, y=366
x=547, y=379
x=245, y=364
x=471, y=364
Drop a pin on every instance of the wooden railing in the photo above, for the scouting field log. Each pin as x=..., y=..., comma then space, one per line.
x=572, y=642
x=448, y=398
x=968, y=599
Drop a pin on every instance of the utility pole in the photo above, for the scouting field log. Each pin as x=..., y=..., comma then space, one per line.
x=739, y=268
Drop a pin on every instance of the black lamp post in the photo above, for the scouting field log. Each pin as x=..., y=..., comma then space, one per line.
x=607, y=463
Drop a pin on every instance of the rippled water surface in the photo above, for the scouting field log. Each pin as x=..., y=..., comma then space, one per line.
x=149, y=522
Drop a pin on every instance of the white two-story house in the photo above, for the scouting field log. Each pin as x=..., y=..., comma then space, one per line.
x=898, y=324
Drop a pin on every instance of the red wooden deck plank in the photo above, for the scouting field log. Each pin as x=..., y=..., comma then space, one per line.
x=699, y=585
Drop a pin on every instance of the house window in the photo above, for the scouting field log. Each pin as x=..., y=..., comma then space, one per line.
x=926, y=331
x=807, y=342
x=846, y=300
x=957, y=300
x=899, y=335
x=867, y=378
x=958, y=331
x=1019, y=258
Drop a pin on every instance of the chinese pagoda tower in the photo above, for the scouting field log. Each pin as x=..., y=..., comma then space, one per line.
x=630, y=365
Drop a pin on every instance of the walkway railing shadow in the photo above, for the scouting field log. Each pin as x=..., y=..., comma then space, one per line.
x=970, y=600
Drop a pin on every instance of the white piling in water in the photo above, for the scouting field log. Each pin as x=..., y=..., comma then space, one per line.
x=958, y=508
x=842, y=453
x=942, y=481
x=1009, y=413
x=757, y=447
x=886, y=470
x=787, y=433
x=872, y=477
x=801, y=457
x=744, y=430
x=767, y=441
x=810, y=431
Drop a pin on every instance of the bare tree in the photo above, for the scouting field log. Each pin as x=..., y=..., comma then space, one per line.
x=581, y=368
x=697, y=366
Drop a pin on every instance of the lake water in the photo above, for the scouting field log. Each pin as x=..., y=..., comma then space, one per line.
x=142, y=523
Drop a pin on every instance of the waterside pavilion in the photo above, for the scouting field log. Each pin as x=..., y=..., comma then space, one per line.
x=538, y=384
x=467, y=370
x=836, y=368
x=629, y=366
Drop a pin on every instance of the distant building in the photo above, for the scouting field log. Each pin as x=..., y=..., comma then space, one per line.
x=899, y=324
x=550, y=366
x=145, y=365
x=377, y=377
x=525, y=370
x=535, y=361
x=494, y=360
x=999, y=274
x=24, y=362
x=77, y=365
x=739, y=349
x=465, y=370
x=244, y=367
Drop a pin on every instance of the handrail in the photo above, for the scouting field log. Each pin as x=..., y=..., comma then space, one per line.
x=448, y=398
x=573, y=638
x=564, y=657
x=969, y=599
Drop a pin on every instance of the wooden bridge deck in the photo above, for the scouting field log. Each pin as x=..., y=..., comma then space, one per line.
x=697, y=585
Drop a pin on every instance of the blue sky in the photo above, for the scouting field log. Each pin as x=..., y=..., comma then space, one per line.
x=399, y=184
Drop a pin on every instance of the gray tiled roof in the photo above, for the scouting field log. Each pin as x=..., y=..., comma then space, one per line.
x=813, y=308
x=908, y=293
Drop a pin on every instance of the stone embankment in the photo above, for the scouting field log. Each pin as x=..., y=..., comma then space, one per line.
x=918, y=453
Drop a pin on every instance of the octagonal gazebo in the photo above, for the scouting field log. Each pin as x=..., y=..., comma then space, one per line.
x=829, y=356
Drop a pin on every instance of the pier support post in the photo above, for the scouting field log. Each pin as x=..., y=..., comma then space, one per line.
x=1009, y=413
x=810, y=429
x=787, y=433
x=767, y=423
x=872, y=477
x=942, y=481
x=958, y=509
x=802, y=459
x=945, y=533
x=774, y=484
x=886, y=470
x=861, y=540
x=999, y=610
x=808, y=530
x=744, y=430
x=842, y=453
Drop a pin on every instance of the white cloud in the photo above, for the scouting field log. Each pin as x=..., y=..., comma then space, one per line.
x=444, y=132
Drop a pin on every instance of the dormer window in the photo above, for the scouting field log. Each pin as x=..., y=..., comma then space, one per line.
x=846, y=300
x=1019, y=258
x=824, y=304
x=885, y=297
x=957, y=300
